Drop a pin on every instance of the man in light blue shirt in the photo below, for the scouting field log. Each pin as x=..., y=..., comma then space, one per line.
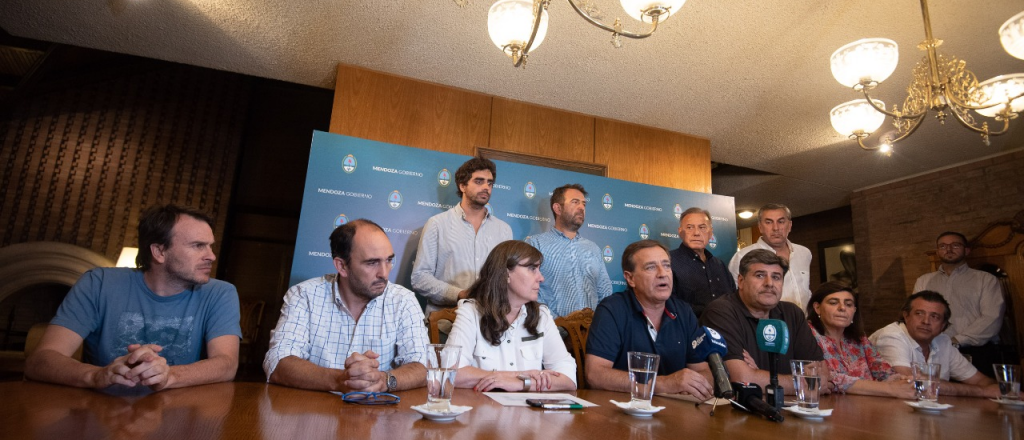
x=574, y=274
x=166, y=324
x=455, y=243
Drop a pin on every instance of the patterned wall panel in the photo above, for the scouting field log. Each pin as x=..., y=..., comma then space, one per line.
x=78, y=164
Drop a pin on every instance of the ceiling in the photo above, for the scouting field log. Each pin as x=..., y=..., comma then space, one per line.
x=753, y=77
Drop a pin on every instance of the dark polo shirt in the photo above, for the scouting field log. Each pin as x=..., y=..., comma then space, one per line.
x=620, y=327
x=698, y=282
x=733, y=320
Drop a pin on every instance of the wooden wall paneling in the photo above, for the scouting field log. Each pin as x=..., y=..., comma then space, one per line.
x=656, y=157
x=387, y=108
x=541, y=131
x=68, y=177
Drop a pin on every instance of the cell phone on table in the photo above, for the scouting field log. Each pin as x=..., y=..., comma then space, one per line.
x=554, y=403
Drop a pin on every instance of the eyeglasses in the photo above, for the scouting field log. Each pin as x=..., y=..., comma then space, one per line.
x=951, y=246
x=365, y=398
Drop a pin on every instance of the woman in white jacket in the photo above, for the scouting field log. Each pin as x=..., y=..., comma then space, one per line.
x=509, y=341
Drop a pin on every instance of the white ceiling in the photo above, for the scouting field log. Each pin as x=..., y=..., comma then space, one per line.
x=751, y=76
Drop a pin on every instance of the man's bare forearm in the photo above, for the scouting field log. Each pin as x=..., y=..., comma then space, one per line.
x=211, y=370
x=51, y=366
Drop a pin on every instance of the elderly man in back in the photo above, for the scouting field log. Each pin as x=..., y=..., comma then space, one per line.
x=700, y=277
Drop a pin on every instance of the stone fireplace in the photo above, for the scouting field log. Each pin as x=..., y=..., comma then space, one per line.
x=34, y=278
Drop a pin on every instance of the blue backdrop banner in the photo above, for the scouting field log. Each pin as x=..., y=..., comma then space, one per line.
x=401, y=187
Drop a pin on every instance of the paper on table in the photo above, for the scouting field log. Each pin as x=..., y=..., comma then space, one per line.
x=690, y=398
x=519, y=399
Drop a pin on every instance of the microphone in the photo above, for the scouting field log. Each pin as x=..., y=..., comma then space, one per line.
x=711, y=346
x=748, y=398
x=773, y=338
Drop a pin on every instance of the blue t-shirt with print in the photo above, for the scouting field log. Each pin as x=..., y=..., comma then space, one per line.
x=112, y=308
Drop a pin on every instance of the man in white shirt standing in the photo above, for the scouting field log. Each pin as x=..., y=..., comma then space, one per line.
x=455, y=243
x=974, y=297
x=775, y=221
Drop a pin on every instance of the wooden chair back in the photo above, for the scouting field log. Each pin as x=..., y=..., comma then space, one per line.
x=434, y=319
x=577, y=325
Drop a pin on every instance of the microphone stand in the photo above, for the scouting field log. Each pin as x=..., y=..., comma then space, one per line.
x=774, y=394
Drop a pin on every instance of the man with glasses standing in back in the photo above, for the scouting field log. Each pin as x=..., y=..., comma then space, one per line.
x=974, y=297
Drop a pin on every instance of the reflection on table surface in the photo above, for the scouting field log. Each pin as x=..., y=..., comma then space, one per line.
x=258, y=411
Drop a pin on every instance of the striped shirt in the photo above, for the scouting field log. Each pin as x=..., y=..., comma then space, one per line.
x=315, y=325
x=451, y=253
x=574, y=272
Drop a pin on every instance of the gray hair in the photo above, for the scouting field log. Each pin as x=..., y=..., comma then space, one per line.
x=773, y=207
x=695, y=210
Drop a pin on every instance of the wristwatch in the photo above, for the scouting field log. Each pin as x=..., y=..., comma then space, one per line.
x=392, y=381
x=527, y=382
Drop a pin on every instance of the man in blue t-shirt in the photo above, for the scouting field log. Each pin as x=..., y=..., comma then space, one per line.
x=647, y=318
x=166, y=324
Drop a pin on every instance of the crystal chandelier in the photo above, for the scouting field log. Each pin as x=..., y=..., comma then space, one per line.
x=519, y=26
x=941, y=84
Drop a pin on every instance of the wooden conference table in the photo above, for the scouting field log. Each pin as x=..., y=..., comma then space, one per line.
x=243, y=410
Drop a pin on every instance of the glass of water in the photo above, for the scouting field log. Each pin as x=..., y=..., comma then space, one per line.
x=643, y=371
x=806, y=383
x=1008, y=377
x=442, y=364
x=926, y=381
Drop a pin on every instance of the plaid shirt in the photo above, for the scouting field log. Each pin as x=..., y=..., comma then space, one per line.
x=574, y=274
x=315, y=325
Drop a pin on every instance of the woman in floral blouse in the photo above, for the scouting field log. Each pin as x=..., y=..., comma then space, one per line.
x=855, y=366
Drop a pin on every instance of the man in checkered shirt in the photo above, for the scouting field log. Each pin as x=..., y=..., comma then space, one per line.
x=352, y=330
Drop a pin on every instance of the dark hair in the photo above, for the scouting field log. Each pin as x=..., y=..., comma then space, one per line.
x=963, y=239
x=558, y=195
x=633, y=248
x=762, y=256
x=695, y=210
x=343, y=236
x=490, y=291
x=855, y=330
x=471, y=166
x=155, y=227
x=930, y=296
x=773, y=207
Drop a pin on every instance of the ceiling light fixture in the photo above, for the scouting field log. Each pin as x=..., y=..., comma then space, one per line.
x=745, y=214
x=941, y=84
x=519, y=26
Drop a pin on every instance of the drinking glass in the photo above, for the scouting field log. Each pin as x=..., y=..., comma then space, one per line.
x=442, y=364
x=806, y=383
x=926, y=381
x=1008, y=377
x=643, y=372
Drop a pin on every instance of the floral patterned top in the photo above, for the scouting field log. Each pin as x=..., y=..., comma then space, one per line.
x=850, y=361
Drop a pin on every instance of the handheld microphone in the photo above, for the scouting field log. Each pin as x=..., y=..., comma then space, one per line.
x=748, y=398
x=711, y=346
x=773, y=338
